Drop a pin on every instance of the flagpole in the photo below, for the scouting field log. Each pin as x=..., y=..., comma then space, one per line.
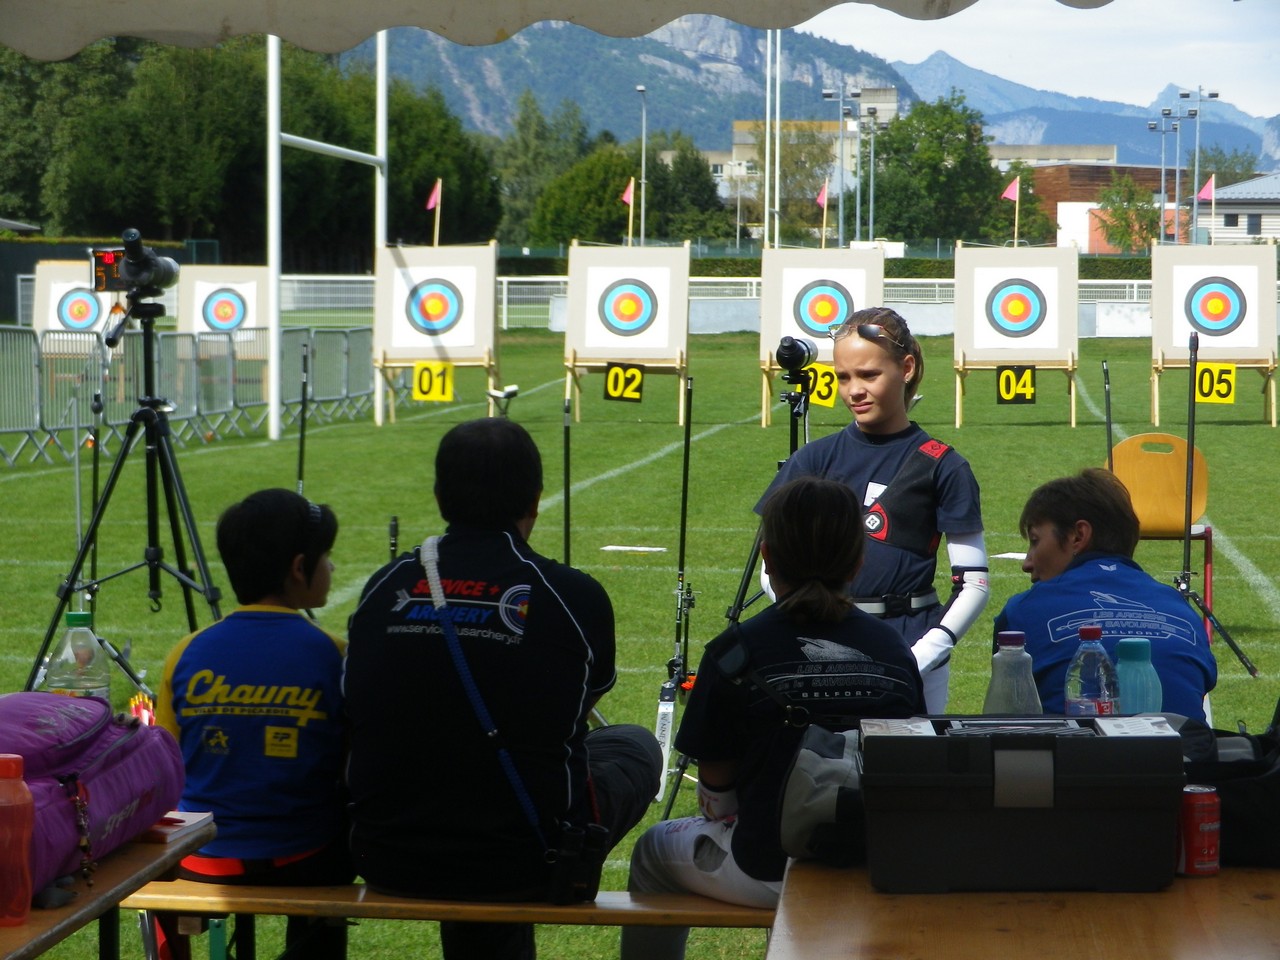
x=1017, y=209
x=631, y=208
x=439, y=197
x=825, y=183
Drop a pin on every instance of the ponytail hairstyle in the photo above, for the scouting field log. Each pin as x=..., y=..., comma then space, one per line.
x=894, y=336
x=814, y=531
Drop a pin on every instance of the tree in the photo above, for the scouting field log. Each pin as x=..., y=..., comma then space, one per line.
x=804, y=159
x=934, y=176
x=1129, y=220
x=584, y=202
x=1034, y=226
x=683, y=200
x=1229, y=168
x=536, y=152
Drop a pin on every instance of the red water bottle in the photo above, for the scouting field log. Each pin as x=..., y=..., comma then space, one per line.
x=17, y=819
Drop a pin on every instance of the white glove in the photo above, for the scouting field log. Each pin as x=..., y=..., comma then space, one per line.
x=933, y=649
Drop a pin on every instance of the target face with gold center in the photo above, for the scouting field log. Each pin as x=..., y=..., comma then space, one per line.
x=224, y=309
x=79, y=310
x=434, y=306
x=821, y=306
x=628, y=307
x=1016, y=308
x=1215, y=306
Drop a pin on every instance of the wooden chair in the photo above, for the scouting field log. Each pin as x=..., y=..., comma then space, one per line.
x=1153, y=466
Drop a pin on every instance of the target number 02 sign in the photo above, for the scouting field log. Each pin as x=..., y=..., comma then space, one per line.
x=624, y=382
x=433, y=381
x=1215, y=383
x=1016, y=384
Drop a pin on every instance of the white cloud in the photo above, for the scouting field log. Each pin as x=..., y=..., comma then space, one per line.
x=1128, y=50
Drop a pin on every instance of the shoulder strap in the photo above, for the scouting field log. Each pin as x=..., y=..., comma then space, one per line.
x=891, y=518
x=430, y=556
x=735, y=663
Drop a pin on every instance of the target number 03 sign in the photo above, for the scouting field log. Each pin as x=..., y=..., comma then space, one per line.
x=433, y=381
x=824, y=385
x=1215, y=383
x=624, y=382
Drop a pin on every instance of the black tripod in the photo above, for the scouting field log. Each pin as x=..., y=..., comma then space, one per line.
x=151, y=420
x=1182, y=582
x=795, y=356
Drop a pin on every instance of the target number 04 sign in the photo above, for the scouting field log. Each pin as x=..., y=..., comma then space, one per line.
x=1016, y=384
x=1215, y=383
x=433, y=381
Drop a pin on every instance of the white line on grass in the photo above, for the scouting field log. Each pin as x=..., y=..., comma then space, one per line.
x=554, y=499
x=1254, y=577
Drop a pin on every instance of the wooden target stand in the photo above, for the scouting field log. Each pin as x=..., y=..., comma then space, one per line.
x=964, y=366
x=1265, y=367
x=386, y=369
x=576, y=367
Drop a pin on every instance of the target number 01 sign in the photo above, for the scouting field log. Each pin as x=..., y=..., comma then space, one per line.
x=1215, y=383
x=433, y=381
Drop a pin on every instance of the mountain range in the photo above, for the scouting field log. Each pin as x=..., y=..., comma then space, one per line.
x=701, y=73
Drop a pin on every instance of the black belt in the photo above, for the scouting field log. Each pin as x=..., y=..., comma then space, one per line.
x=896, y=605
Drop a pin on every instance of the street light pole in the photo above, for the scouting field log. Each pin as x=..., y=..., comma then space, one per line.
x=1177, y=181
x=843, y=112
x=644, y=149
x=1162, y=128
x=871, y=202
x=1201, y=94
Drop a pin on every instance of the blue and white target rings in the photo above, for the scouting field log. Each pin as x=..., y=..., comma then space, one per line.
x=1016, y=308
x=224, y=310
x=822, y=306
x=628, y=307
x=79, y=310
x=434, y=306
x=1215, y=306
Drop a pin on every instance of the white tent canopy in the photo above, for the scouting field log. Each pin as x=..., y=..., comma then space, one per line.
x=56, y=29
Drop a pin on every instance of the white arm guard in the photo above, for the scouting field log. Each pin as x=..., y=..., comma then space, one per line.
x=968, y=555
x=717, y=804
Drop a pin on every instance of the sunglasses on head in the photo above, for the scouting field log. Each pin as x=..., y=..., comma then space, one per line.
x=867, y=331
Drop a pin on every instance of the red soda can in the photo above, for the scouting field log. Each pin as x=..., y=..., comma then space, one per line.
x=1199, y=828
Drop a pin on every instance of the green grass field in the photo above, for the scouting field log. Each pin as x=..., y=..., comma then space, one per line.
x=625, y=472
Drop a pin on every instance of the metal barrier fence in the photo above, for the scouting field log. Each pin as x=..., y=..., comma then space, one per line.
x=56, y=386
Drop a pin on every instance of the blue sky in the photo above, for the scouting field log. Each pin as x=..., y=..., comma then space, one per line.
x=1128, y=50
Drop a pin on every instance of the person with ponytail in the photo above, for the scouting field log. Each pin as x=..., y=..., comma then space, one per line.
x=830, y=661
x=913, y=490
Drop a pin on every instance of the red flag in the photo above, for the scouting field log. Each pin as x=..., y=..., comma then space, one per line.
x=1011, y=191
x=1206, y=192
x=821, y=198
x=433, y=201
x=629, y=192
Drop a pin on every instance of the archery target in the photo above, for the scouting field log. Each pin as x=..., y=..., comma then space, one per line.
x=1215, y=306
x=821, y=306
x=1016, y=308
x=434, y=306
x=78, y=309
x=224, y=309
x=1219, y=303
x=513, y=608
x=628, y=307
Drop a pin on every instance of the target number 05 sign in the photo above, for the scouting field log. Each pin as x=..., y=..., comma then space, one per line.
x=1215, y=383
x=433, y=381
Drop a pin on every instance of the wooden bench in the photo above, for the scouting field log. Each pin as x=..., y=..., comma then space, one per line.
x=358, y=902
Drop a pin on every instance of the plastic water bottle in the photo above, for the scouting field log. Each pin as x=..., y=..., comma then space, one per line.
x=79, y=666
x=1092, y=689
x=1012, y=688
x=1140, y=690
x=17, y=820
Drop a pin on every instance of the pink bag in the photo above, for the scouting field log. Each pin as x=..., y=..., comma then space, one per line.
x=78, y=759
